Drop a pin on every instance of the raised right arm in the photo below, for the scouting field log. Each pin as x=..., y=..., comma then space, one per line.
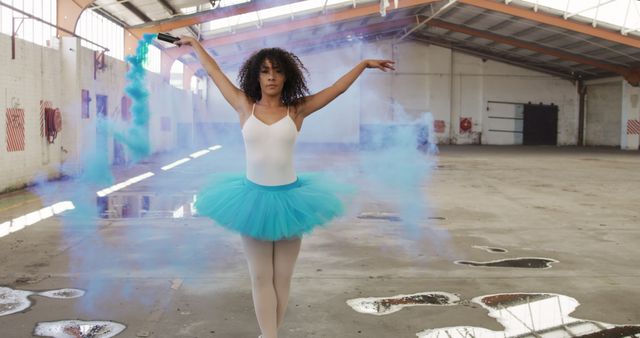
x=236, y=97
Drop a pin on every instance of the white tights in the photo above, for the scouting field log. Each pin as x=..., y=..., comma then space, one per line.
x=271, y=267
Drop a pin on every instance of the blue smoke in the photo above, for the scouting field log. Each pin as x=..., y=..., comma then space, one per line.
x=90, y=263
x=397, y=169
x=136, y=137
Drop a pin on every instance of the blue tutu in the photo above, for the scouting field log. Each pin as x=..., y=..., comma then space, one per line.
x=272, y=213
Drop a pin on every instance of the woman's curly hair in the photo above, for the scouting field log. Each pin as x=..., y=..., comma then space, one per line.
x=295, y=85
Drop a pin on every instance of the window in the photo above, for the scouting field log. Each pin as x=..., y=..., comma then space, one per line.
x=100, y=30
x=175, y=78
x=30, y=29
x=153, y=59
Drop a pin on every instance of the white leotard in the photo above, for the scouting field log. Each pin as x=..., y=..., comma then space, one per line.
x=269, y=150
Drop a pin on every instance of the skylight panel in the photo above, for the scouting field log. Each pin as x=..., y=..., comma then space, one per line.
x=622, y=13
x=256, y=17
x=225, y=3
x=189, y=10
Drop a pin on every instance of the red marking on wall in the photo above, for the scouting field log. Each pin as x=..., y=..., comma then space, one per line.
x=43, y=104
x=15, y=129
x=633, y=127
x=439, y=126
x=465, y=124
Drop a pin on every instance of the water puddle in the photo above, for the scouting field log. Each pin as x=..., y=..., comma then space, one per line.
x=533, y=315
x=137, y=205
x=12, y=301
x=78, y=329
x=387, y=305
x=62, y=293
x=523, y=315
x=490, y=249
x=521, y=262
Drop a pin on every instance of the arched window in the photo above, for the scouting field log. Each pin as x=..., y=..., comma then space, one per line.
x=177, y=69
x=100, y=30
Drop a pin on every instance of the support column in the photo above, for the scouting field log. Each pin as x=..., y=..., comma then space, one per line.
x=71, y=105
x=582, y=96
x=130, y=43
x=68, y=13
x=630, y=126
x=186, y=78
x=166, y=62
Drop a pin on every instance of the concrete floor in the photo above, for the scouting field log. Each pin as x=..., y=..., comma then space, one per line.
x=166, y=277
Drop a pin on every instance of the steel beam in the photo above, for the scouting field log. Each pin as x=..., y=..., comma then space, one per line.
x=533, y=47
x=286, y=27
x=554, y=21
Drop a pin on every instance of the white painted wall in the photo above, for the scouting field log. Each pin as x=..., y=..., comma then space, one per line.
x=503, y=123
x=59, y=75
x=338, y=122
x=423, y=82
x=603, y=114
x=29, y=78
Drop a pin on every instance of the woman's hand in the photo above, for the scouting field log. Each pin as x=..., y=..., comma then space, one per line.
x=186, y=40
x=383, y=65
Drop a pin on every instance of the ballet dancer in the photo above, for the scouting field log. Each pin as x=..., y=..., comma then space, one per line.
x=271, y=206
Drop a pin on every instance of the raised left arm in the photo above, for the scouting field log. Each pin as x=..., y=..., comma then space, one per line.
x=316, y=101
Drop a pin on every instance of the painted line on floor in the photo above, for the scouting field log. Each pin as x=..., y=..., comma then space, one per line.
x=34, y=217
x=31, y=218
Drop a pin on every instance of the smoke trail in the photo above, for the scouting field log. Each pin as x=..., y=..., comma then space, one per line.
x=397, y=167
x=136, y=138
x=89, y=263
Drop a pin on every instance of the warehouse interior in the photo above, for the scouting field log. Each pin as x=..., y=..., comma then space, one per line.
x=519, y=221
